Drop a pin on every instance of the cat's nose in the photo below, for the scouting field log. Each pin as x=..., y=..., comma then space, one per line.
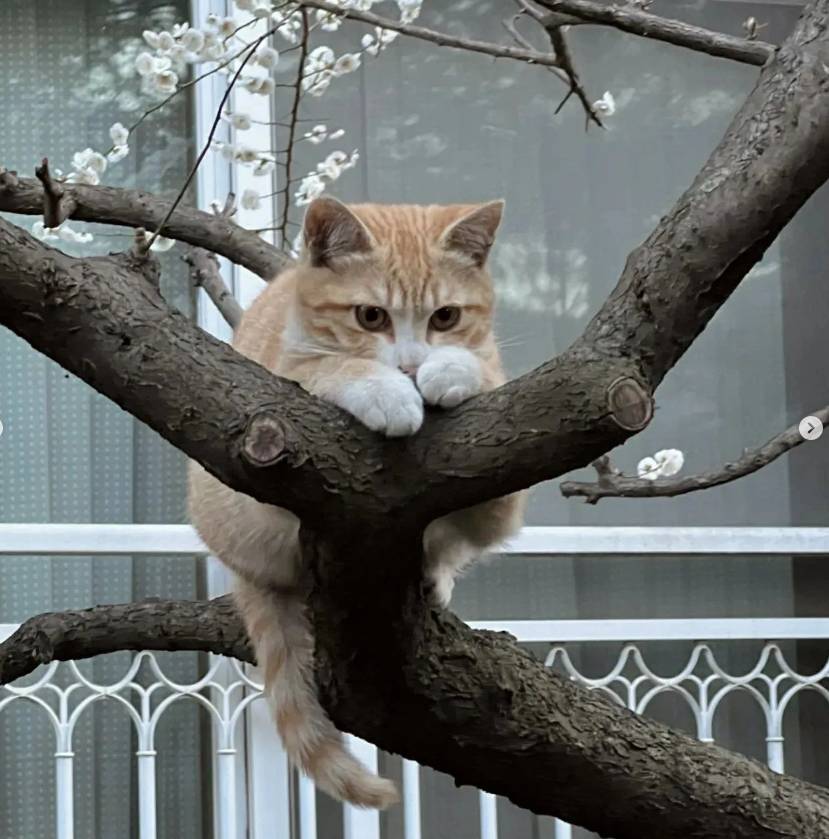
x=409, y=369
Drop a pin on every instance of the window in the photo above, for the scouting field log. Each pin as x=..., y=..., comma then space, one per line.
x=68, y=454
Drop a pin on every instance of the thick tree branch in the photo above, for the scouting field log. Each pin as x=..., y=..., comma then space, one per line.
x=648, y=25
x=209, y=626
x=135, y=208
x=612, y=483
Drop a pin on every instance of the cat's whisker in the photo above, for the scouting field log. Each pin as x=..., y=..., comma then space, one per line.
x=512, y=341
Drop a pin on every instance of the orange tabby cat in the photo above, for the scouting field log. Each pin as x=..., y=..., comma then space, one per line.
x=390, y=308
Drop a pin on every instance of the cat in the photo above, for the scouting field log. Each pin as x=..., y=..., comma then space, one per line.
x=389, y=308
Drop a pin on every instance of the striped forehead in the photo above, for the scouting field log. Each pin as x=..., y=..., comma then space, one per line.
x=407, y=238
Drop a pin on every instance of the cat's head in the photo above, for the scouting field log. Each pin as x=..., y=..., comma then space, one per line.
x=391, y=282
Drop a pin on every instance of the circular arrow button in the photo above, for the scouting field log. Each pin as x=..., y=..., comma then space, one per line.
x=810, y=428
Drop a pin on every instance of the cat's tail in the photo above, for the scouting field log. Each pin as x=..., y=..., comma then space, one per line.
x=281, y=636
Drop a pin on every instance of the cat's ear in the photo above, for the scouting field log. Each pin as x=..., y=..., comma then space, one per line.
x=331, y=231
x=473, y=234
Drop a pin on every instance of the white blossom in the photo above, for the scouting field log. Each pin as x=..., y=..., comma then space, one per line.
x=606, y=106
x=244, y=5
x=317, y=83
x=165, y=41
x=264, y=86
x=311, y=187
x=165, y=82
x=118, y=134
x=227, y=26
x=370, y=44
x=227, y=150
x=250, y=199
x=118, y=153
x=144, y=64
x=317, y=134
x=328, y=21
x=180, y=29
x=409, y=9
x=267, y=57
x=320, y=57
x=332, y=166
x=243, y=154
x=89, y=159
x=261, y=8
x=347, y=63
x=240, y=121
x=335, y=135
x=264, y=166
x=385, y=36
x=663, y=464
x=150, y=38
x=193, y=40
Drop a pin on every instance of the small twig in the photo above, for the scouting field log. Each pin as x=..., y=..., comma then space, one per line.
x=8, y=179
x=140, y=244
x=648, y=25
x=611, y=483
x=204, y=269
x=564, y=69
x=289, y=154
x=58, y=205
x=565, y=61
x=229, y=209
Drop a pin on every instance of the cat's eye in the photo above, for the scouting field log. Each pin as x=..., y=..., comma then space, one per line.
x=372, y=318
x=445, y=318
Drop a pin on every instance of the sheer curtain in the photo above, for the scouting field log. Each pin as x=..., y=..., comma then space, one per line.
x=436, y=125
x=69, y=455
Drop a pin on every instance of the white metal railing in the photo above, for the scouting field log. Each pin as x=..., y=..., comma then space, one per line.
x=228, y=691
x=181, y=540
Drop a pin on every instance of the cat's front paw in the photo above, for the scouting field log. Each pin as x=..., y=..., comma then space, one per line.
x=449, y=376
x=389, y=404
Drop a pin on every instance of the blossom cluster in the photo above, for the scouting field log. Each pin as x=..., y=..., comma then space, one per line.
x=663, y=464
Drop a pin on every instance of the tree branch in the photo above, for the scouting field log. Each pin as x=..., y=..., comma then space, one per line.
x=204, y=269
x=442, y=39
x=210, y=626
x=647, y=25
x=613, y=484
x=135, y=208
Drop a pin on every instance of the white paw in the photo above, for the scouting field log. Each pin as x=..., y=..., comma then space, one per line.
x=449, y=376
x=440, y=585
x=387, y=403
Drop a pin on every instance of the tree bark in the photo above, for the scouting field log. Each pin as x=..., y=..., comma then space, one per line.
x=135, y=208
